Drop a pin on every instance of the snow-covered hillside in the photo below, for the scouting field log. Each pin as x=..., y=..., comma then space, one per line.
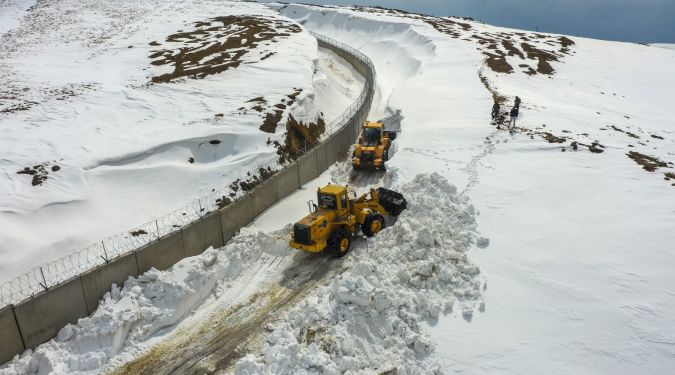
x=546, y=248
x=581, y=238
x=115, y=113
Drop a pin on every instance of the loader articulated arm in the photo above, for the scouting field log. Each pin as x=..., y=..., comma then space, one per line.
x=384, y=201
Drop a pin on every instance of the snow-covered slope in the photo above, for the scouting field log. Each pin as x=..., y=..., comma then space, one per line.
x=578, y=268
x=577, y=203
x=95, y=140
x=664, y=45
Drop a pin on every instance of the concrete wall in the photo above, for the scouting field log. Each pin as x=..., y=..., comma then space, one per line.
x=321, y=162
x=307, y=167
x=96, y=282
x=162, y=254
x=263, y=196
x=235, y=216
x=11, y=343
x=201, y=234
x=286, y=181
x=39, y=318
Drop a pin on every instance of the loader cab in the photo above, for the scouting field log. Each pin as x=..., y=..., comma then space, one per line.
x=334, y=198
x=372, y=133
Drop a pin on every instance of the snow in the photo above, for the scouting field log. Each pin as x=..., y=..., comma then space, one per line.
x=368, y=314
x=122, y=145
x=133, y=315
x=580, y=244
x=664, y=45
x=576, y=246
x=367, y=319
x=11, y=12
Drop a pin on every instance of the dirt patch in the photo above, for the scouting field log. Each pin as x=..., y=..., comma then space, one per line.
x=271, y=121
x=300, y=138
x=565, y=41
x=498, y=63
x=39, y=173
x=632, y=135
x=272, y=118
x=496, y=96
x=512, y=50
x=217, y=45
x=223, y=202
x=648, y=163
x=496, y=46
x=137, y=233
x=258, y=99
x=550, y=138
x=670, y=175
x=215, y=344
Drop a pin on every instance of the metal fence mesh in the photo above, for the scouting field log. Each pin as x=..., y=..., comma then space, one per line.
x=51, y=274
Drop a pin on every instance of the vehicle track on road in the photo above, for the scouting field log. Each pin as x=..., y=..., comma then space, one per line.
x=212, y=343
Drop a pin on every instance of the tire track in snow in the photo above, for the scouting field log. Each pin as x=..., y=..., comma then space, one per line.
x=210, y=342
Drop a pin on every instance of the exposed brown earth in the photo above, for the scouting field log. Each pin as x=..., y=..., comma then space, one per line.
x=217, y=45
x=271, y=121
x=648, y=163
x=137, y=233
x=300, y=138
x=39, y=172
x=495, y=46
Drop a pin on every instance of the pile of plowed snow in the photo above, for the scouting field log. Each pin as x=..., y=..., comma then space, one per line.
x=131, y=317
x=368, y=319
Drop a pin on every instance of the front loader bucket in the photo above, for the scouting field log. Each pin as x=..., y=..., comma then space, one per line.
x=392, y=201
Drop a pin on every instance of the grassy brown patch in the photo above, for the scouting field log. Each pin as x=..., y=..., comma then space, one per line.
x=39, y=172
x=269, y=125
x=550, y=138
x=217, y=45
x=300, y=138
x=648, y=163
x=498, y=63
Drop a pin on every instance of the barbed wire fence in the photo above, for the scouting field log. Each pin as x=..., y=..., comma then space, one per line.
x=48, y=275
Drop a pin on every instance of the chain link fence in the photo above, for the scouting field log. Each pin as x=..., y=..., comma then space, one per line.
x=48, y=275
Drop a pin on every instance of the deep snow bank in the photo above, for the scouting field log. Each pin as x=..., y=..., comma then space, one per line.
x=132, y=316
x=397, y=47
x=368, y=319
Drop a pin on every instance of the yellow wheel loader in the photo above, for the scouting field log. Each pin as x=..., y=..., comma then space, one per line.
x=372, y=151
x=336, y=218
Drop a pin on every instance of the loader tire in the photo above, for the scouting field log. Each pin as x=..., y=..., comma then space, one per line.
x=372, y=224
x=339, y=243
x=392, y=201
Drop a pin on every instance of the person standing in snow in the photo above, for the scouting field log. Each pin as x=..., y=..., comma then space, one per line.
x=514, y=116
x=517, y=102
x=495, y=111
